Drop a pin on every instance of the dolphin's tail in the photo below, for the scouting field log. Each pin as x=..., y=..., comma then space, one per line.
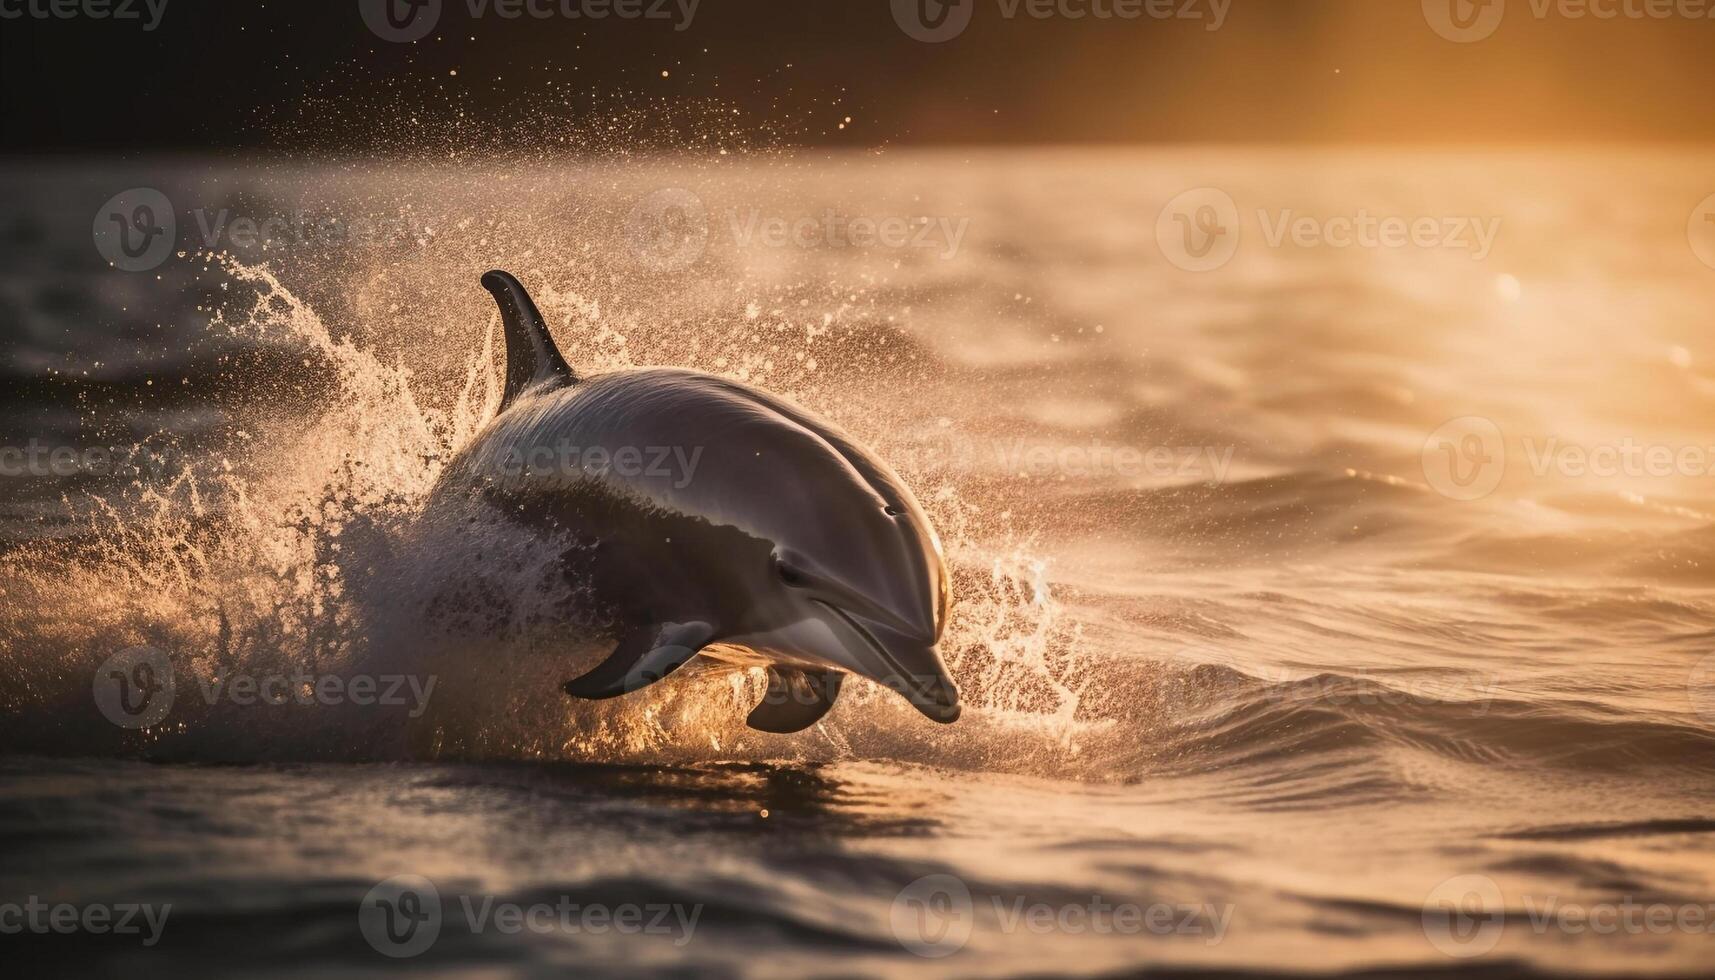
x=532, y=360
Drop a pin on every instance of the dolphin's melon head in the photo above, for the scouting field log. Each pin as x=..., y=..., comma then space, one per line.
x=858, y=571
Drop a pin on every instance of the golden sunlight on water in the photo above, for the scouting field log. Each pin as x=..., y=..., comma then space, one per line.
x=1285, y=493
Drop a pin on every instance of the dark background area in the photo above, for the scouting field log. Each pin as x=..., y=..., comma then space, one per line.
x=236, y=74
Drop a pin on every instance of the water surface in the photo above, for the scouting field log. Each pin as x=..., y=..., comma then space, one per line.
x=1231, y=638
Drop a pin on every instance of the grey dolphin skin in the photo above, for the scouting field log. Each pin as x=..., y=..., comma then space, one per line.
x=709, y=517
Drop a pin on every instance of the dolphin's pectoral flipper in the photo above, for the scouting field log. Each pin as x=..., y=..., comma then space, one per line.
x=531, y=357
x=644, y=656
x=796, y=699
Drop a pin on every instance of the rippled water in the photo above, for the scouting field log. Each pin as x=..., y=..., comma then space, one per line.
x=1233, y=640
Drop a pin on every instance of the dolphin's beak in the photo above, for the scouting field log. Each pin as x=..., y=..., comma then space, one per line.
x=904, y=663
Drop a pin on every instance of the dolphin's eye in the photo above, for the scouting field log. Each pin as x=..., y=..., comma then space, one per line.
x=791, y=576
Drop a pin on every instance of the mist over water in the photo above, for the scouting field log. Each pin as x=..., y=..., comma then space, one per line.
x=1213, y=584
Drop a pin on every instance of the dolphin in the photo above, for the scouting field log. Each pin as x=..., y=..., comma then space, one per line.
x=709, y=517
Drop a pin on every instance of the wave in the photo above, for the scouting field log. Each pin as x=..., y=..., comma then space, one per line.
x=291, y=548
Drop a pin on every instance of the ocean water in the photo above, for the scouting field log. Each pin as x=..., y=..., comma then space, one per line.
x=1326, y=599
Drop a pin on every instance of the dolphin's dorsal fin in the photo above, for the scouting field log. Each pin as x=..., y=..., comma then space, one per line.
x=531, y=357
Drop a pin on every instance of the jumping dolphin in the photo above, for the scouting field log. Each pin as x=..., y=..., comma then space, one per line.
x=710, y=517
